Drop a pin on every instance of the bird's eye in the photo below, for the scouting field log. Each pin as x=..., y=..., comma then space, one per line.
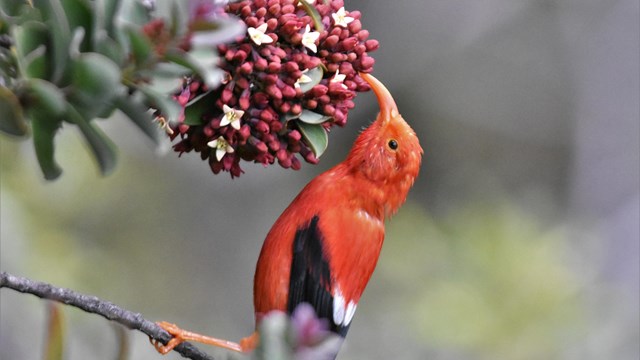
x=393, y=144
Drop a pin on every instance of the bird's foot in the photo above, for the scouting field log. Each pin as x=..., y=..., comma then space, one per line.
x=180, y=335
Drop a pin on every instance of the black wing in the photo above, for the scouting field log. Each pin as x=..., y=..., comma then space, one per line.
x=310, y=279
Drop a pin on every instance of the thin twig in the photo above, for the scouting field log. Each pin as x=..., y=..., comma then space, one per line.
x=106, y=309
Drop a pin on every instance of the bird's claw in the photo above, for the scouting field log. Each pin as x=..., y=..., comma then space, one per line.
x=177, y=337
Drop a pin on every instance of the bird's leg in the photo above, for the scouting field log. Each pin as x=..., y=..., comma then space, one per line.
x=180, y=335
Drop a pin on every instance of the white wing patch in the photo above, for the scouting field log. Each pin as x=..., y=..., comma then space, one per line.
x=363, y=214
x=342, y=312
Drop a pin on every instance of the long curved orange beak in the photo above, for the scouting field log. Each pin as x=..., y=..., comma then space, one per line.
x=388, y=107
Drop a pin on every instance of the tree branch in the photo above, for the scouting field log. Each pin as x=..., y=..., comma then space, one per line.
x=106, y=309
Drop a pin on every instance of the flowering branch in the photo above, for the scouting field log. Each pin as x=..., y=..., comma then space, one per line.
x=92, y=304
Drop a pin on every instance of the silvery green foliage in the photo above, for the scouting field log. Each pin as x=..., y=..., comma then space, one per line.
x=74, y=61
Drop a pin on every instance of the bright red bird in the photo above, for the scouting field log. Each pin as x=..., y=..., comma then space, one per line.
x=324, y=247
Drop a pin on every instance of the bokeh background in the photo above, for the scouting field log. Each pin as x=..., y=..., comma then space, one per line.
x=520, y=239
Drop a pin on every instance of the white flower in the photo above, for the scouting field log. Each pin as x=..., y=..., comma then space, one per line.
x=310, y=2
x=258, y=35
x=340, y=18
x=303, y=79
x=231, y=116
x=339, y=78
x=309, y=38
x=222, y=147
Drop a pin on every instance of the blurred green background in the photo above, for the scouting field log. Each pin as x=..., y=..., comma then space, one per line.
x=520, y=239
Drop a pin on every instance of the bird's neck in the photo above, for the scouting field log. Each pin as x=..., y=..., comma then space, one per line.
x=379, y=199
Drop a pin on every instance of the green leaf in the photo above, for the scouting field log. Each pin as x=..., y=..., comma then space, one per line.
x=54, y=339
x=315, y=15
x=60, y=32
x=44, y=131
x=315, y=136
x=178, y=20
x=135, y=12
x=109, y=48
x=202, y=61
x=167, y=106
x=166, y=85
x=11, y=115
x=96, y=82
x=101, y=146
x=111, y=10
x=210, y=33
x=140, y=115
x=170, y=70
x=48, y=97
x=12, y=7
x=316, y=75
x=311, y=117
x=80, y=15
x=31, y=41
x=197, y=107
x=140, y=45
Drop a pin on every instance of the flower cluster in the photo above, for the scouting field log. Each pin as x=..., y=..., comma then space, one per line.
x=288, y=80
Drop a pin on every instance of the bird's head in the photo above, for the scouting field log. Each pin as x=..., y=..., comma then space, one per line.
x=388, y=151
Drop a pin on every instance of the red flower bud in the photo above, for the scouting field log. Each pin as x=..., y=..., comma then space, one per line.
x=274, y=9
x=362, y=35
x=311, y=104
x=349, y=43
x=274, y=145
x=285, y=107
x=371, y=45
x=240, y=56
x=288, y=9
x=296, y=38
x=246, y=11
x=337, y=57
x=324, y=99
x=246, y=68
x=262, y=127
x=295, y=163
x=331, y=41
x=294, y=135
x=296, y=109
x=319, y=90
x=275, y=126
x=288, y=92
x=311, y=158
x=260, y=64
x=291, y=66
x=244, y=132
x=226, y=95
x=329, y=110
x=272, y=24
x=355, y=25
x=243, y=83
x=274, y=67
x=262, y=147
x=274, y=92
x=251, y=21
x=367, y=62
x=267, y=115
